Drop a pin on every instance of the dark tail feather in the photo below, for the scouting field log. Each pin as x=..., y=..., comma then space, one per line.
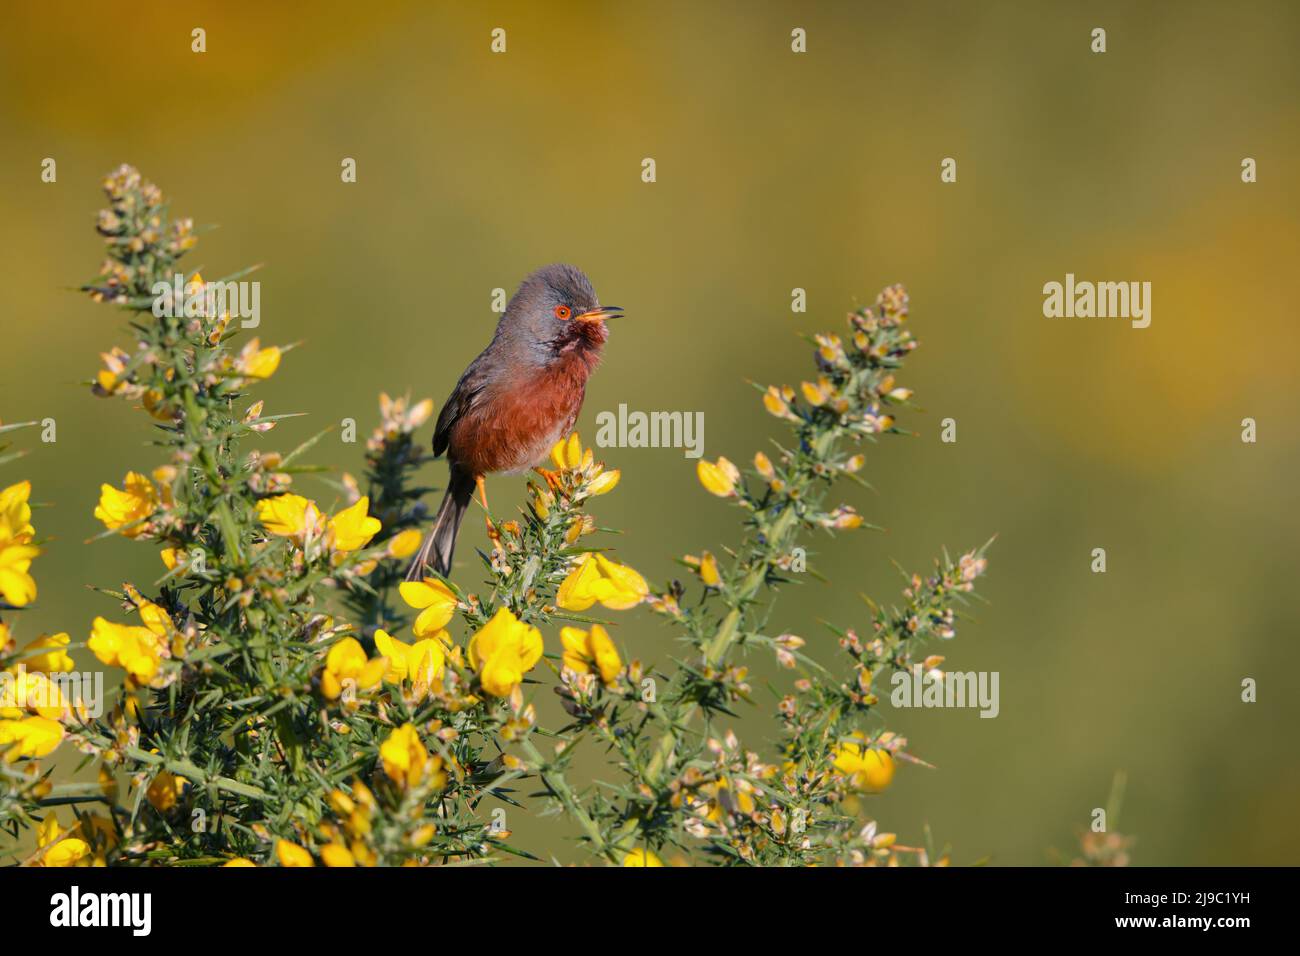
x=440, y=543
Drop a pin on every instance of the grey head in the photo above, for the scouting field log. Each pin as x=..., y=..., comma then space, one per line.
x=554, y=311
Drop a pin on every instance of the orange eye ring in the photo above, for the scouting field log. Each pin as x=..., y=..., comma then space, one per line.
x=562, y=312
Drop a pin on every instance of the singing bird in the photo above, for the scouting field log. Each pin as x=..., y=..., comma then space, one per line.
x=518, y=398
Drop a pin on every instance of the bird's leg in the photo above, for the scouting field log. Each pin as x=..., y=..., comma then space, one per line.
x=493, y=535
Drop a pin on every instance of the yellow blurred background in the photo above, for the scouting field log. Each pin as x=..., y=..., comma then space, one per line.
x=774, y=171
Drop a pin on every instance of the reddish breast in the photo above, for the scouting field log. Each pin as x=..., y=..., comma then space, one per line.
x=514, y=426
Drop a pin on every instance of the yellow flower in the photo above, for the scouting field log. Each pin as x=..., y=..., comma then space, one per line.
x=869, y=769
x=158, y=621
x=336, y=855
x=604, y=483
x=16, y=513
x=725, y=797
x=816, y=393
x=567, y=453
x=642, y=857
x=17, y=586
x=718, y=479
x=61, y=847
x=403, y=756
x=503, y=651
x=596, y=578
x=291, y=854
x=353, y=527
x=54, y=660
x=585, y=651
x=420, y=663
x=433, y=599
x=257, y=362
x=290, y=516
x=404, y=543
x=135, y=649
x=111, y=378
x=29, y=737
x=346, y=661
x=238, y=861
x=777, y=402
x=153, y=402
x=31, y=692
x=129, y=508
x=709, y=570
x=166, y=790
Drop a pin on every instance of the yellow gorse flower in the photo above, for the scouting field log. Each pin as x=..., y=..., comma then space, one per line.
x=641, y=857
x=503, y=651
x=591, y=651
x=128, y=508
x=421, y=663
x=29, y=737
x=869, y=769
x=165, y=790
x=596, y=578
x=709, y=570
x=61, y=847
x=291, y=854
x=30, y=692
x=257, y=362
x=352, y=528
x=777, y=402
x=569, y=455
x=346, y=661
x=290, y=516
x=293, y=516
x=54, y=659
x=111, y=378
x=718, y=478
x=17, y=586
x=406, y=760
x=404, y=543
x=337, y=855
x=16, y=513
x=435, y=602
x=137, y=650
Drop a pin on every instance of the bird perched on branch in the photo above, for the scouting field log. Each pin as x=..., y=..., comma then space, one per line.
x=518, y=398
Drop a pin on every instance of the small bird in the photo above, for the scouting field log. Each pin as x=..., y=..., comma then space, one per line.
x=518, y=398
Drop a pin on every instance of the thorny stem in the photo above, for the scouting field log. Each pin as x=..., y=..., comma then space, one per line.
x=723, y=638
x=560, y=787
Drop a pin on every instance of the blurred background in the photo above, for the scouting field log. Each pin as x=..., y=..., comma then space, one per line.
x=775, y=171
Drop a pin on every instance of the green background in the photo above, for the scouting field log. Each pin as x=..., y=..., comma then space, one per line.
x=775, y=170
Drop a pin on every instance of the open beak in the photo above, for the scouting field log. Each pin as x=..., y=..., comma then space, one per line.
x=601, y=314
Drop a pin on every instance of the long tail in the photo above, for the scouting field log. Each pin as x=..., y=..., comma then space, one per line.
x=440, y=543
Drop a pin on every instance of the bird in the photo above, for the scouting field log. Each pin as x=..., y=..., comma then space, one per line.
x=520, y=396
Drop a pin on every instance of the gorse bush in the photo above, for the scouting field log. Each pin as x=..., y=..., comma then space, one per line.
x=286, y=698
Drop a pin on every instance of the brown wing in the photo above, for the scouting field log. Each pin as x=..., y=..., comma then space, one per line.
x=463, y=397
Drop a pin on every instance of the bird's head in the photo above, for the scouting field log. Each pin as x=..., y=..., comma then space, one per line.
x=556, y=311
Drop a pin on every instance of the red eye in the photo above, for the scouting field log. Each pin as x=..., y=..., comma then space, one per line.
x=562, y=312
